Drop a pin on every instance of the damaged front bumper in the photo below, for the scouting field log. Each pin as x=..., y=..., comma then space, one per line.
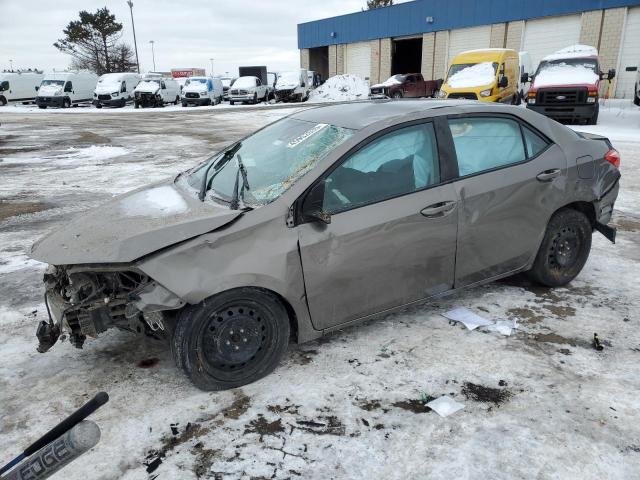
x=84, y=301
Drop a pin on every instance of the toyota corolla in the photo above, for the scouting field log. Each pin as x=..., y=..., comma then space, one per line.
x=326, y=218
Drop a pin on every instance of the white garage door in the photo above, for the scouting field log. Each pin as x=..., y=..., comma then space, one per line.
x=548, y=35
x=464, y=39
x=358, y=59
x=630, y=56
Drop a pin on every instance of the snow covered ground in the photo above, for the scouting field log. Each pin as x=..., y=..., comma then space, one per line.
x=541, y=403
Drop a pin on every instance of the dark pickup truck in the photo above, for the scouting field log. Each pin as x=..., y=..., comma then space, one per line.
x=408, y=85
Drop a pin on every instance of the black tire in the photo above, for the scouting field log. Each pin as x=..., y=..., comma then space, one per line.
x=397, y=95
x=231, y=339
x=231, y=102
x=564, y=249
x=42, y=106
x=594, y=119
x=636, y=98
x=66, y=103
x=255, y=98
x=136, y=105
x=98, y=105
x=123, y=103
x=177, y=100
x=184, y=104
x=3, y=101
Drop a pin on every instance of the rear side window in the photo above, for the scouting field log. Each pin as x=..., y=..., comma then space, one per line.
x=534, y=142
x=486, y=143
x=398, y=163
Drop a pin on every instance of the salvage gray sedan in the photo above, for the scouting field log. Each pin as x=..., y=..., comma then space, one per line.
x=326, y=218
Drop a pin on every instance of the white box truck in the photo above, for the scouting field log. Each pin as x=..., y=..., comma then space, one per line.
x=202, y=91
x=19, y=86
x=63, y=89
x=115, y=89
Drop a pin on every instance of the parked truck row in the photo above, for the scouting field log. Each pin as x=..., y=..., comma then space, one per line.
x=68, y=88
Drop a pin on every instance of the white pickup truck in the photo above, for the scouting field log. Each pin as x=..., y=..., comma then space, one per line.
x=155, y=90
x=248, y=89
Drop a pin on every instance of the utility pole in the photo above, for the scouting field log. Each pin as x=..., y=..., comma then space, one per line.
x=153, y=54
x=11, y=65
x=211, y=66
x=133, y=25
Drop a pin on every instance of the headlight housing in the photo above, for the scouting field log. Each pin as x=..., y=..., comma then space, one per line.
x=203, y=93
x=485, y=93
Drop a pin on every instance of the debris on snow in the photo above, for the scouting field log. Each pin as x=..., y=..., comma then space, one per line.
x=474, y=76
x=480, y=393
x=445, y=406
x=503, y=327
x=467, y=317
x=341, y=88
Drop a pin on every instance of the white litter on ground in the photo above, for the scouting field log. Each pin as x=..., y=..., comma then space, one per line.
x=503, y=327
x=474, y=76
x=445, y=406
x=341, y=88
x=467, y=317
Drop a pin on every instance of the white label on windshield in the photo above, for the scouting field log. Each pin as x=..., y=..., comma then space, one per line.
x=301, y=138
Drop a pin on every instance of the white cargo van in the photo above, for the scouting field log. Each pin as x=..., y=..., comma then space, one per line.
x=62, y=89
x=202, y=91
x=115, y=89
x=19, y=86
x=155, y=90
x=292, y=86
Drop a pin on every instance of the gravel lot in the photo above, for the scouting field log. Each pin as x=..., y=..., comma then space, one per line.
x=541, y=403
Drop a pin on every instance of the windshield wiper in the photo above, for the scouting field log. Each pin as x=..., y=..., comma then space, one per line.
x=228, y=155
x=235, y=199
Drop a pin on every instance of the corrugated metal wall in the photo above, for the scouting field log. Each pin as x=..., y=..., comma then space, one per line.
x=411, y=18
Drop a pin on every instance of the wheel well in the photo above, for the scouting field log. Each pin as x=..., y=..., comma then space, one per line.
x=585, y=207
x=293, y=319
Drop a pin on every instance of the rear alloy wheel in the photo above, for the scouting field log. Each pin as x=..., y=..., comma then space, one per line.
x=564, y=249
x=231, y=339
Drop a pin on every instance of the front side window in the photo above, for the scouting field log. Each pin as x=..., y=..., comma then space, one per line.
x=275, y=158
x=163, y=86
x=123, y=88
x=4, y=86
x=486, y=143
x=68, y=87
x=398, y=163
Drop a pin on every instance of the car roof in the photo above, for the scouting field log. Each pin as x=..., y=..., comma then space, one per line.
x=358, y=115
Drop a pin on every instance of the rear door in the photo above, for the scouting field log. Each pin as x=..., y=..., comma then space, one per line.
x=392, y=236
x=511, y=179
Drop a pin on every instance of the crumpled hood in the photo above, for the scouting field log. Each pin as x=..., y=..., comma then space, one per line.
x=147, y=87
x=50, y=90
x=132, y=225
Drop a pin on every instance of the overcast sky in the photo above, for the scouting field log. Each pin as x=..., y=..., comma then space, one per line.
x=187, y=33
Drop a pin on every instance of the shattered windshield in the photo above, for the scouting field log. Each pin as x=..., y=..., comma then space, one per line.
x=275, y=158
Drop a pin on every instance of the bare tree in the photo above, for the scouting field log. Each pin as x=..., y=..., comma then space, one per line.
x=371, y=4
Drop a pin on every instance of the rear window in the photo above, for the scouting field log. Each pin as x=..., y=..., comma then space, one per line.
x=534, y=142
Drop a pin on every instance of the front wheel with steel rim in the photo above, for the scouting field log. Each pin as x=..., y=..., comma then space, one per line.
x=231, y=339
x=564, y=249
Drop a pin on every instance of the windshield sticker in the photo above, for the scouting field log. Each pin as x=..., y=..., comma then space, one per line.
x=301, y=138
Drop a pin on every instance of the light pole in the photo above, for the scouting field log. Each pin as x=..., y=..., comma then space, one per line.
x=133, y=25
x=11, y=65
x=211, y=66
x=153, y=55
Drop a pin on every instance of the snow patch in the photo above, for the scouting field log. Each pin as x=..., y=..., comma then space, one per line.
x=573, y=51
x=156, y=202
x=474, y=76
x=340, y=88
x=97, y=153
x=389, y=82
x=565, y=74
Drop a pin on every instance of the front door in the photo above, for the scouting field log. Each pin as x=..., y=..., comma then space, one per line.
x=392, y=236
x=508, y=189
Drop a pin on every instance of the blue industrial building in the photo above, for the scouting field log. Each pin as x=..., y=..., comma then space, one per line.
x=422, y=35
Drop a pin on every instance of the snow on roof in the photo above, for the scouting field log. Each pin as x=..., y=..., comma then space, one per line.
x=473, y=76
x=573, y=51
x=341, y=88
x=565, y=75
x=389, y=82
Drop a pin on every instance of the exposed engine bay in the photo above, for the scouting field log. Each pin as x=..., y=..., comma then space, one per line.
x=84, y=301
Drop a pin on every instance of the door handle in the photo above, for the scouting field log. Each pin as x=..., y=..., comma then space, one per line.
x=439, y=209
x=548, y=175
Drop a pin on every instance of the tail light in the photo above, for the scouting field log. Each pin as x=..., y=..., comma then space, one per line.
x=613, y=157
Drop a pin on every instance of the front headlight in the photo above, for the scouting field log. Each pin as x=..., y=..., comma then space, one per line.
x=115, y=94
x=442, y=94
x=485, y=93
x=203, y=93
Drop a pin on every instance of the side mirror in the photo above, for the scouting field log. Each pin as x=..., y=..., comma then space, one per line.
x=37, y=88
x=504, y=82
x=611, y=74
x=525, y=78
x=312, y=207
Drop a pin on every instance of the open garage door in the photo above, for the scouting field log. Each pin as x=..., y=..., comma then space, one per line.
x=630, y=55
x=468, y=39
x=407, y=55
x=548, y=35
x=358, y=59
